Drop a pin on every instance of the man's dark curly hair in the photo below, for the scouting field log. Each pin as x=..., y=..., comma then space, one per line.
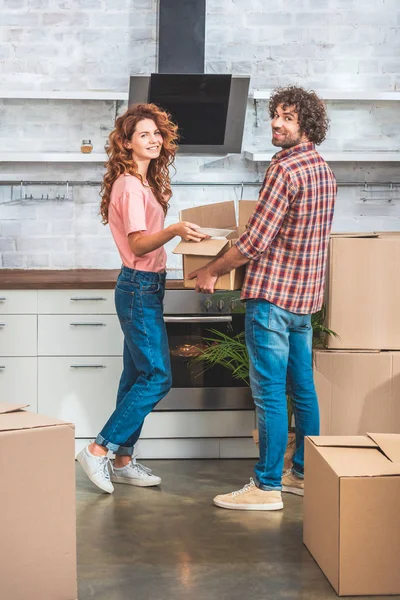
x=311, y=110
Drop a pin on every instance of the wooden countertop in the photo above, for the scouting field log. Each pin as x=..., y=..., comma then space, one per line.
x=31, y=279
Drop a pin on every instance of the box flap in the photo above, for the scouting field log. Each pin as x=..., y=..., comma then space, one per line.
x=221, y=215
x=22, y=419
x=6, y=407
x=358, y=462
x=343, y=441
x=205, y=248
x=389, y=443
x=246, y=209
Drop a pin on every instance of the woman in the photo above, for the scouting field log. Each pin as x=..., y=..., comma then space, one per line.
x=135, y=193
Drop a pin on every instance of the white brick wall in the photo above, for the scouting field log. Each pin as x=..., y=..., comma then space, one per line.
x=97, y=44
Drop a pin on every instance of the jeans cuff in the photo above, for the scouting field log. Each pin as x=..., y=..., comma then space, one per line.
x=102, y=442
x=298, y=474
x=268, y=488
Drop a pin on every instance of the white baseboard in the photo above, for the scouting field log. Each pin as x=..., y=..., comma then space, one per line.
x=190, y=448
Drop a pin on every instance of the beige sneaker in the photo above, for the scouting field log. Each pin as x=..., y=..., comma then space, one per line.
x=292, y=484
x=250, y=497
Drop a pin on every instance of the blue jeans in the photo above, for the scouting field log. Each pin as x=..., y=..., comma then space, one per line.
x=280, y=352
x=146, y=376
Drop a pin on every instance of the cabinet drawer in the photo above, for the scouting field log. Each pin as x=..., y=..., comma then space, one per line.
x=78, y=335
x=74, y=302
x=202, y=424
x=18, y=302
x=18, y=335
x=18, y=381
x=79, y=390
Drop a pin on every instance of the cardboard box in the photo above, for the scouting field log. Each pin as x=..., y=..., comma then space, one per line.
x=357, y=391
x=198, y=254
x=351, y=511
x=363, y=292
x=37, y=507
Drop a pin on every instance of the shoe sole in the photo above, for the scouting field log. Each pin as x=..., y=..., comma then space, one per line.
x=272, y=506
x=137, y=483
x=293, y=490
x=83, y=465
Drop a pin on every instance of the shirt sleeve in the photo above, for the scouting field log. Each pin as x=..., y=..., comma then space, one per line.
x=133, y=208
x=269, y=213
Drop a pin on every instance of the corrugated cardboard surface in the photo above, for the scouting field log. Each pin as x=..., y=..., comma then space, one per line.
x=351, y=515
x=199, y=254
x=358, y=391
x=37, y=509
x=321, y=509
x=369, y=540
x=364, y=292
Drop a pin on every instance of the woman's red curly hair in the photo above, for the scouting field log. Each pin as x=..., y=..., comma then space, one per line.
x=120, y=158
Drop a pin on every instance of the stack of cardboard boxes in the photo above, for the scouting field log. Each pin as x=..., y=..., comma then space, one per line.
x=358, y=377
x=352, y=476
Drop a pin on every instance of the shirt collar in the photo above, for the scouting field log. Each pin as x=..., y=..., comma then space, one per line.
x=303, y=147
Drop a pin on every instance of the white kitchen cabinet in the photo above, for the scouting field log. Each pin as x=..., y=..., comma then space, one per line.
x=73, y=302
x=61, y=353
x=81, y=390
x=18, y=302
x=79, y=335
x=18, y=335
x=18, y=381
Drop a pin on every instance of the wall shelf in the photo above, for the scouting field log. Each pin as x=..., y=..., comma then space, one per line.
x=335, y=156
x=66, y=95
x=59, y=157
x=360, y=95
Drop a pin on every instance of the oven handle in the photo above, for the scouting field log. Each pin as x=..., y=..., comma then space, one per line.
x=221, y=319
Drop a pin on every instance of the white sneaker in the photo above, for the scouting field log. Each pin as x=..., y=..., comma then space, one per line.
x=134, y=474
x=96, y=468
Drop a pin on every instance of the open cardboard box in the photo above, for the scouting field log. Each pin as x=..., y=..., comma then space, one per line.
x=198, y=254
x=363, y=291
x=37, y=506
x=351, y=511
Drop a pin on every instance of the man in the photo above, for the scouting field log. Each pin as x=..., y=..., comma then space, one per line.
x=285, y=245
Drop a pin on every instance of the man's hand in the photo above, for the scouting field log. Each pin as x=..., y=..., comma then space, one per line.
x=205, y=281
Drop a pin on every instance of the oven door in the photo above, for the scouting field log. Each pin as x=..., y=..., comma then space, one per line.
x=195, y=386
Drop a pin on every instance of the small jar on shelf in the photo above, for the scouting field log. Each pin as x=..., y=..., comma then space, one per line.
x=86, y=146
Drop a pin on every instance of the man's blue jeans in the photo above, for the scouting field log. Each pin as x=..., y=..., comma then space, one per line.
x=146, y=376
x=280, y=351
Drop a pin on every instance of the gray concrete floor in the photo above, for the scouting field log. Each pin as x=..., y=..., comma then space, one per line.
x=171, y=543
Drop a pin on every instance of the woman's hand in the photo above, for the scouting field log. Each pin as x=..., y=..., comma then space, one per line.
x=188, y=231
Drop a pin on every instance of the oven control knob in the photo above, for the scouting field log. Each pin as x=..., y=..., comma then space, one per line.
x=220, y=304
x=207, y=304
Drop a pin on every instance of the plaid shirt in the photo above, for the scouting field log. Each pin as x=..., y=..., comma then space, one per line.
x=287, y=236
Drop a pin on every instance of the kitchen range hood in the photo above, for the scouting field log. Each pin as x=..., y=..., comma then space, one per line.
x=209, y=108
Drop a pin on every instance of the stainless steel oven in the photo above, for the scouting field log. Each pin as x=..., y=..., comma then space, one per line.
x=189, y=318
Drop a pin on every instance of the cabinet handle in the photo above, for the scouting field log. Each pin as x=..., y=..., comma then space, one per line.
x=84, y=298
x=2, y=324
x=222, y=319
x=87, y=324
x=3, y=298
x=2, y=366
x=88, y=366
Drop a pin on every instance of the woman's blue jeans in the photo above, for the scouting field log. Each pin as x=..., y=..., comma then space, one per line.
x=280, y=352
x=146, y=376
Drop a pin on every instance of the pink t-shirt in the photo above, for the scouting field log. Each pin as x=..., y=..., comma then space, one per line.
x=133, y=207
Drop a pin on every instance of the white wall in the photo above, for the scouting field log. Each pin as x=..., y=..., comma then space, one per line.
x=97, y=44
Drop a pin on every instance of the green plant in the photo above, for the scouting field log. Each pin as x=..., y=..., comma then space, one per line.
x=231, y=352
